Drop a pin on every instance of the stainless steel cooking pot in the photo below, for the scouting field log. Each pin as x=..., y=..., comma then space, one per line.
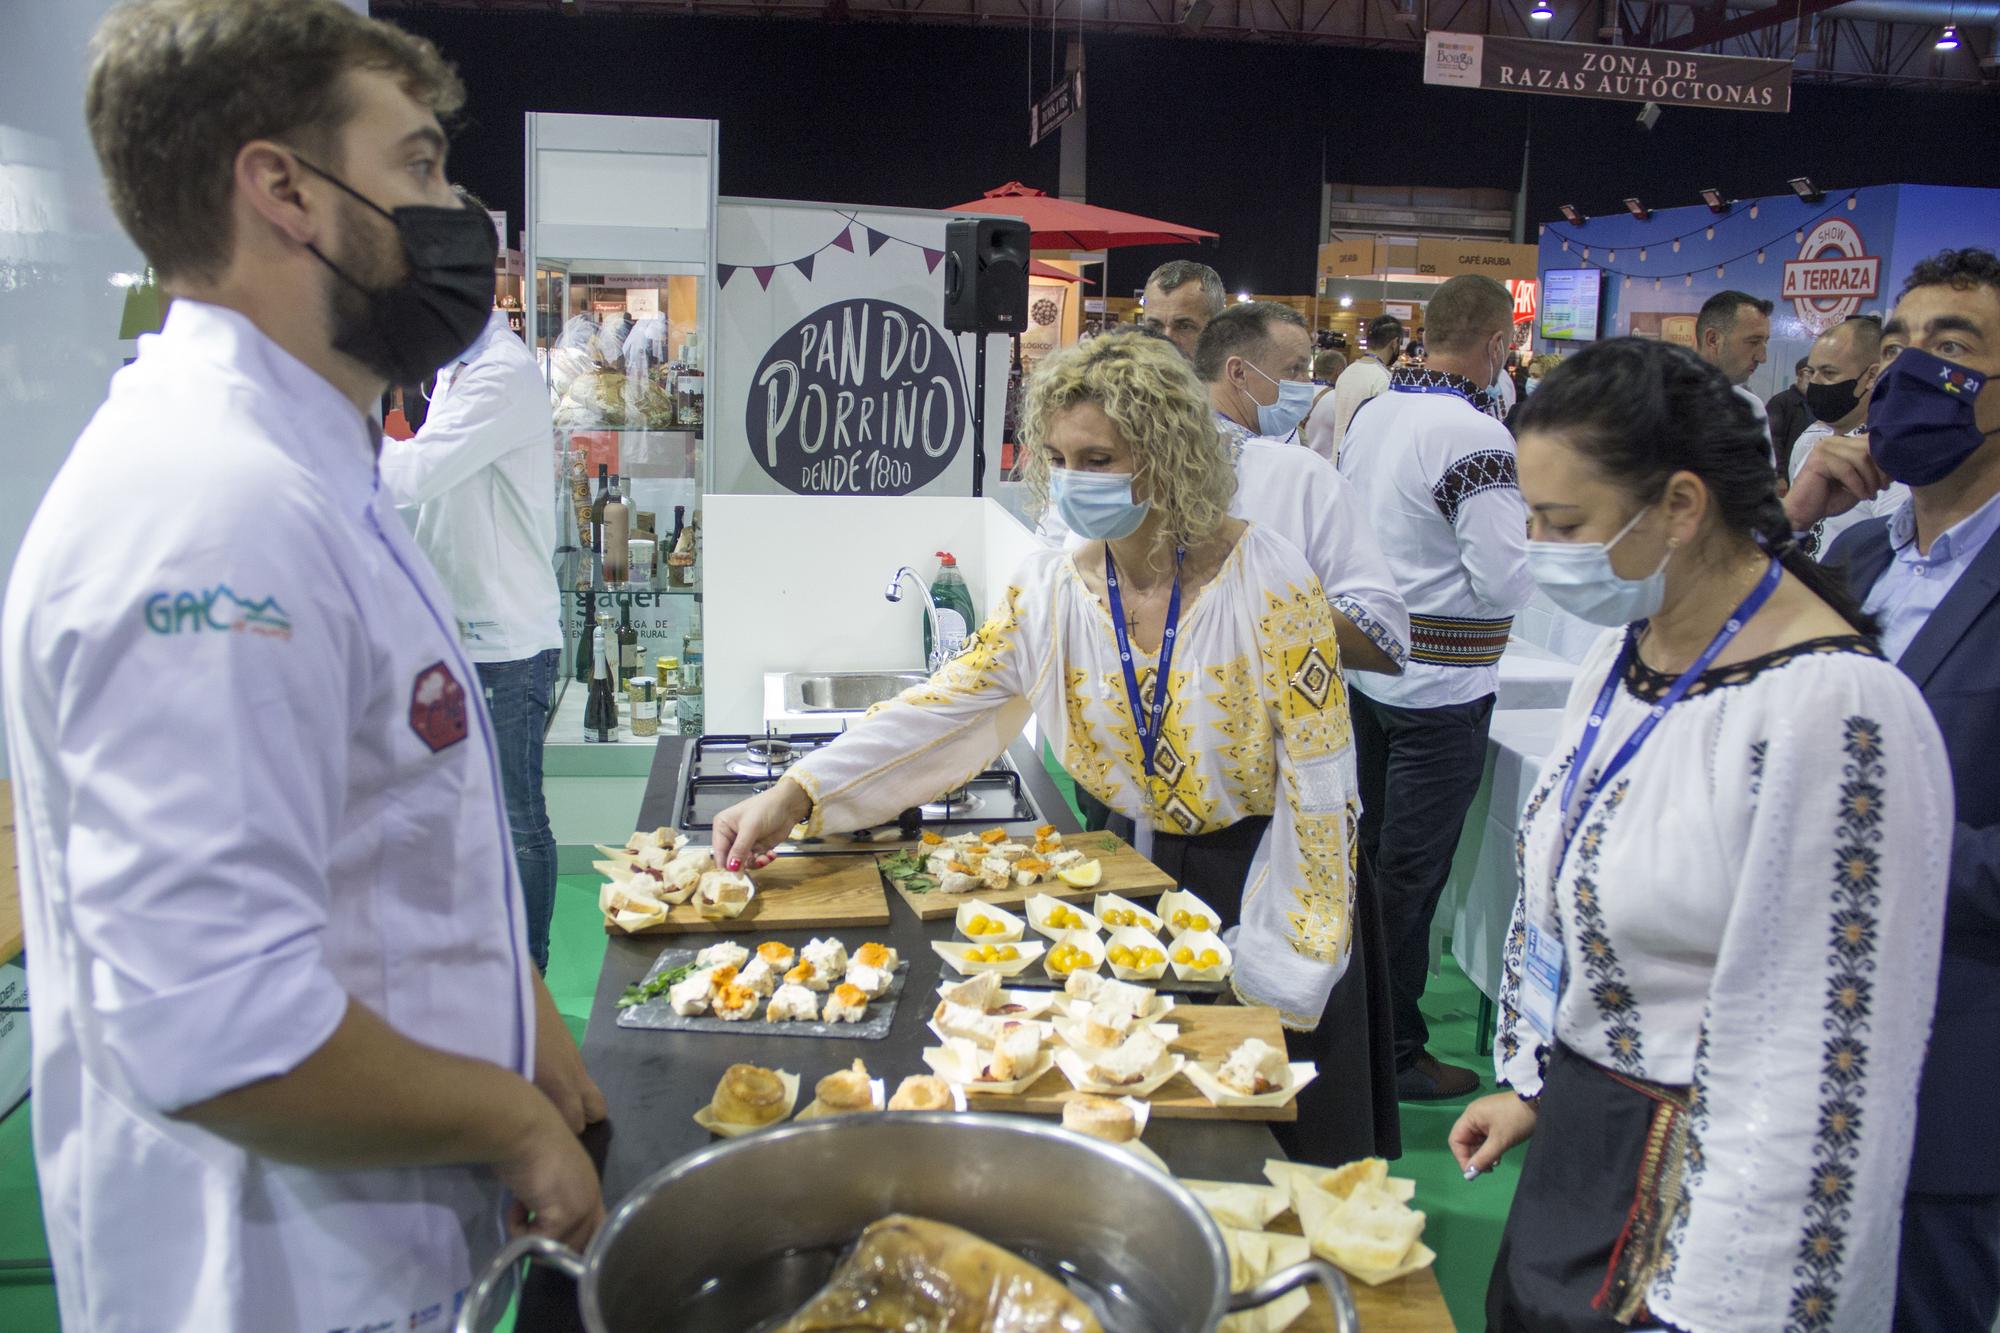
x=737, y=1236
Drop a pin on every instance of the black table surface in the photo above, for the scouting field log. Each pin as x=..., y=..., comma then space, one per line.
x=654, y=1081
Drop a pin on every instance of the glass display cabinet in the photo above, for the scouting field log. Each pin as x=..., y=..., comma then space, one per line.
x=620, y=239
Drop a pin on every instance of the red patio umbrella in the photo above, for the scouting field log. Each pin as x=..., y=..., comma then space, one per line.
x=1063, y=224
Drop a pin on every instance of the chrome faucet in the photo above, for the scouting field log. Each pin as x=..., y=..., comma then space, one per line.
x=894, y=593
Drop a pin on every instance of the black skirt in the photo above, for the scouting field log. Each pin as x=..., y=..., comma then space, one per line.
x=1574, y=1201
x=1350, y=1109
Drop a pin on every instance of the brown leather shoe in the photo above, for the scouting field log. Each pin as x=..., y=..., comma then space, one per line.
x=1430, y=1080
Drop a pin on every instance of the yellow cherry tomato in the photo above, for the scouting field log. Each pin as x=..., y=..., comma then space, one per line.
x=1198, y=922
x=1009, y=954
x=1180, y=916
x=1209, y=958
x=1184, y=956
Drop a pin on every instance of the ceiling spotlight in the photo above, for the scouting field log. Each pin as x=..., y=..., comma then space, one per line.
x=1575, y=218
x=1803, y=188
x=1638, y=210
x=1716, y=203
x=1542, y=12
x=1948, y=39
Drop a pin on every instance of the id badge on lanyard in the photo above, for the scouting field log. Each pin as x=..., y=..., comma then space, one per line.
x=1545, y=964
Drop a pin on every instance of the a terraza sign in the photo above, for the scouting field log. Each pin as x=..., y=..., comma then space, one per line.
x=1616, y=73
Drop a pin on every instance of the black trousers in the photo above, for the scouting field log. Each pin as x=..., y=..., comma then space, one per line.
x=1350, y=1109
x=1420, y=770
x=1948, y=1277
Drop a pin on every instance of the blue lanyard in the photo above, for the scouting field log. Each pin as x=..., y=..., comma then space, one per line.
x=1149, y=731
x=1737, y=620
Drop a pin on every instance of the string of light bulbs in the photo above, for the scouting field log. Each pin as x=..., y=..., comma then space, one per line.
x=1572, y=245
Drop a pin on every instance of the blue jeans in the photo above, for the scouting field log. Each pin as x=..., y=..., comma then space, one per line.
x=518, y=696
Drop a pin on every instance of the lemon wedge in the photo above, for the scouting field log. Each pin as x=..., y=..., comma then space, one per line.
x=1085, y=876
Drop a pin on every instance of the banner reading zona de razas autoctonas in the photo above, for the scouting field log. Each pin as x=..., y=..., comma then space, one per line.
x=1616, y=73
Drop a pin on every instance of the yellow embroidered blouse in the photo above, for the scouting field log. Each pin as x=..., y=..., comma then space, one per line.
x=1256, y=723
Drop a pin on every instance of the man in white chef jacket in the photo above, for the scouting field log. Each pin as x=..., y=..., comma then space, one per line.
x=284, y=1023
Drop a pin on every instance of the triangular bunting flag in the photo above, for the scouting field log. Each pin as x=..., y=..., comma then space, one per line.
x=845, y=240
x=723, y=273
x=805, y=266
x=764, y=272
x=876, y=240
x=931, y=258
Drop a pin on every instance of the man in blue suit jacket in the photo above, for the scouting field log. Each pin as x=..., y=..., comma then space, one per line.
x=1930, y=573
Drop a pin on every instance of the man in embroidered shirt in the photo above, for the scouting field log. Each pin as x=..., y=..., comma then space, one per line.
x=1733, y=334
x=1931, y=574
x=1181, y=297
x=1435, y=473
x=1366, y=378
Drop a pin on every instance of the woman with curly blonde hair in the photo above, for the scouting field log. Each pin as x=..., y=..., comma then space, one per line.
x=1239, y=771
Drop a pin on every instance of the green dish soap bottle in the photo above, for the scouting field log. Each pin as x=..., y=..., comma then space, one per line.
x=953, y=601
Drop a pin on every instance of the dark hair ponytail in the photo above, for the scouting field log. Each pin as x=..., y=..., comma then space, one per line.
x=1642, y=410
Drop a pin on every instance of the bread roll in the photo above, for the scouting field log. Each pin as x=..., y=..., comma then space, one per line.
x=1100, y=1118
x=749, y=1095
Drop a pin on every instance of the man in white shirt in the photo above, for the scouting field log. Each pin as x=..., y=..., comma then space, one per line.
x=481, y=475
x=1180, y=298
x=1435, y=473
x=1366, y=378
x=1733, y=334
x=1840, y=373
x=1245, y=355
x=284, y=1021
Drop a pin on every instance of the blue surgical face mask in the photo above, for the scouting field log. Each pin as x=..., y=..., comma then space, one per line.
x=1097, y=505
x=1295, y=399
x=1578, y=577
x=1923, y=420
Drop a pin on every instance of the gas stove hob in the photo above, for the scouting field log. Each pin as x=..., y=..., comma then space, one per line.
x=719, y=771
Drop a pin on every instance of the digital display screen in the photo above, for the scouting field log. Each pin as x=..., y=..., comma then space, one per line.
x=1570, y=301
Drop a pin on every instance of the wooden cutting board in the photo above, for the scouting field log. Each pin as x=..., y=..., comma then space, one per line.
x=1125, y=872
x=1209, y=1032
x=793, y=893
x=1411, y=1304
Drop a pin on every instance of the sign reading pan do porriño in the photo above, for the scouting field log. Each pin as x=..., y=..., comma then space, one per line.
x=1615, y=73
x=861, y=397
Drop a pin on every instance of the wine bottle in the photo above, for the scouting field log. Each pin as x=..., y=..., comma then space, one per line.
x=600, y=707
x=583, y=636
x=628, y=645
x=597, y=509
x=617, y=548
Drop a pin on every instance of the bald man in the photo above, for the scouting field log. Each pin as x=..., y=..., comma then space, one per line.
x=1840, y=374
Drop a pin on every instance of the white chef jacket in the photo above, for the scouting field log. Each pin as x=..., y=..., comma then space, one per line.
x=1284, y=487
x=482, y=474
x=1435, y=475
x=254, y=778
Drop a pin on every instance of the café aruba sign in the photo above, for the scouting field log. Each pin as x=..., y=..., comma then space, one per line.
x=1615, y=73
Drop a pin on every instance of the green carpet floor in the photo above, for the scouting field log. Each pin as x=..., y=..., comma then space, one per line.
x=1464, y=1218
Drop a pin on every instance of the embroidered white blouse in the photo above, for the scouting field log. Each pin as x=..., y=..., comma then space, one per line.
x=1753, y=910
x=1256, y=723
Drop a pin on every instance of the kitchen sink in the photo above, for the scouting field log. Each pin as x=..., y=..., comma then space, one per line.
x=844, y=691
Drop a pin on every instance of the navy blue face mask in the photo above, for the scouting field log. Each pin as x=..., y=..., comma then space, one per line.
x=1922, y=419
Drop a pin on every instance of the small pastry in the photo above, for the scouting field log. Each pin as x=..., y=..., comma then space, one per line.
x=957, y=881
x=1100, y=1118
x=723, y=893
x=805, y=974
x=1065, y=859
x=792, y=1004
x=995, y=872
x=872, y=982
x=726, y=954
x=749, y=1095
x=735, y=1002
x=1014, y=1054
x=959, y=1020
x=828, y=957
x=690, y=996
x=721, y=978
x=1013, y=851
x=847, y=1004
x=940, y=864
x=1253, y=1069
x=922, y=1092
x=1106, y=1028
x=1129, y=1063
x=977, y=992
x=758, y=975
x=1084, y=986
x=877, y=955
x=846, y=1090
x=779, y=956
x=1030, y=870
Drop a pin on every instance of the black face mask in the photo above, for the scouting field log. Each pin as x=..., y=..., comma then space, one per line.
x=422, y=321
x=1832, y=402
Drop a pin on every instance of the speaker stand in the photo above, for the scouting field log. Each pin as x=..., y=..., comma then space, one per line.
x=979, y=416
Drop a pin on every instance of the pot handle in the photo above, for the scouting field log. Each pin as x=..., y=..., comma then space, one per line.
x=496, y=1284
x=1345, y=1320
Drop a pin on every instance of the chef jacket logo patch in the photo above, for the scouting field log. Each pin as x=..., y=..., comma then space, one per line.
x=437, y=708
x=217, y=609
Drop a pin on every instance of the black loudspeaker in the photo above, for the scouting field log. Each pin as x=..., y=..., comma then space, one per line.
x=986, y=275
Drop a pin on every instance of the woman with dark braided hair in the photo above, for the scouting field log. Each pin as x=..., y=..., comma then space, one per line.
x=1720, y=975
